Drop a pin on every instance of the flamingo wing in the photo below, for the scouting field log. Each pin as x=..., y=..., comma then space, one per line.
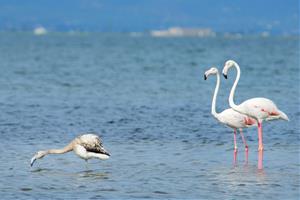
x=262, y=108
x=235, y=119
x=91, y=143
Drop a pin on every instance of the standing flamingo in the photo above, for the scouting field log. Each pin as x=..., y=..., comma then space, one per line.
x=230, y=117
x=85, y=146
x=258, y=108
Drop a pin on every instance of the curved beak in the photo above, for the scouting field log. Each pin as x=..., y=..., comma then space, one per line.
x=33, y=159
x=205, y=77
x=225, y=76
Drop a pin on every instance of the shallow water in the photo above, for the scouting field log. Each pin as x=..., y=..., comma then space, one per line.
x=148, y=100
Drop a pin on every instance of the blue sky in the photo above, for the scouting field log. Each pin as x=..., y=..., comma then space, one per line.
x=275, y=16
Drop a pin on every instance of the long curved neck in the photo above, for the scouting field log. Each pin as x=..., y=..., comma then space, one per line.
x=213, y=104
x=238, y=74
x=66, y=149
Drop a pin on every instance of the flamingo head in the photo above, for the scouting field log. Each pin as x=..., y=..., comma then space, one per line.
x=227, y=66
x=211, y=71
x=38, y=155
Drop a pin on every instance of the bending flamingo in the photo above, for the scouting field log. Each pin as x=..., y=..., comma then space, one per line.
x=258, y=108
x=86, y=146
x=229, y=117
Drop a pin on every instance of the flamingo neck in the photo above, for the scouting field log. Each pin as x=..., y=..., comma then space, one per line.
x=238, y=74
x=213, y=105
x=66, y=149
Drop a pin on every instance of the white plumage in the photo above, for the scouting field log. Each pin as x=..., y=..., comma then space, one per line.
x=229, y=117
x=258, y=108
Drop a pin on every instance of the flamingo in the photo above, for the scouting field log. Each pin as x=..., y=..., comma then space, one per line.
x=258, y=108
x=86, y=146
x=230, y=117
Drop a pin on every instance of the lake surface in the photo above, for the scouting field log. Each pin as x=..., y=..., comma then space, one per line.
x=147, y=99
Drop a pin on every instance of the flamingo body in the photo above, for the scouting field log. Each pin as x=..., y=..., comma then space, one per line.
x=90, y=146
x=234, y=119
x=261, y=109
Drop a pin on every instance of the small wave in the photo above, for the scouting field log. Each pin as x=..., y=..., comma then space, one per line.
x=160, y=192
x=41, y=170
x=25, y=189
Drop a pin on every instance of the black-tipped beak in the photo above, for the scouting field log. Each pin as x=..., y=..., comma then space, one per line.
x=32, y=161
x=205, y=77
x=225, y=76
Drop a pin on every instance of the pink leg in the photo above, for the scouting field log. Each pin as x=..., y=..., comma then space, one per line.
x=246, y=146
x=260, y=160
x=244, y=140
x=235, y=147
x=260, y=146
x=260, y=137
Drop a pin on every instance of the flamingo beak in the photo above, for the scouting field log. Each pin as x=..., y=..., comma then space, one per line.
x=225, y=76
x=205, y=77
x=33, y=159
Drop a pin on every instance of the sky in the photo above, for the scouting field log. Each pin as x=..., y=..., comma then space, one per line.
x=245, y=16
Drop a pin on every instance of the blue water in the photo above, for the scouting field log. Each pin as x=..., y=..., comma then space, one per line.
x=147, y=99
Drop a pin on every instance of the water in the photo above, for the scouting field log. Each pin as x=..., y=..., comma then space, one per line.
x=148, y=100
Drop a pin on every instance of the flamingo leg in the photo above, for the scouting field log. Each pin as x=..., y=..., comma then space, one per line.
x=246, y=145
x=260, y=160
x=235, y=147
x=244, y=140
x=260, y=146
x=260, y=137
x=86, y=165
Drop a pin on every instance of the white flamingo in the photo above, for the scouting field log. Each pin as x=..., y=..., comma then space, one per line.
x=86, y=146
x=229, y=117
x=257, y=108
